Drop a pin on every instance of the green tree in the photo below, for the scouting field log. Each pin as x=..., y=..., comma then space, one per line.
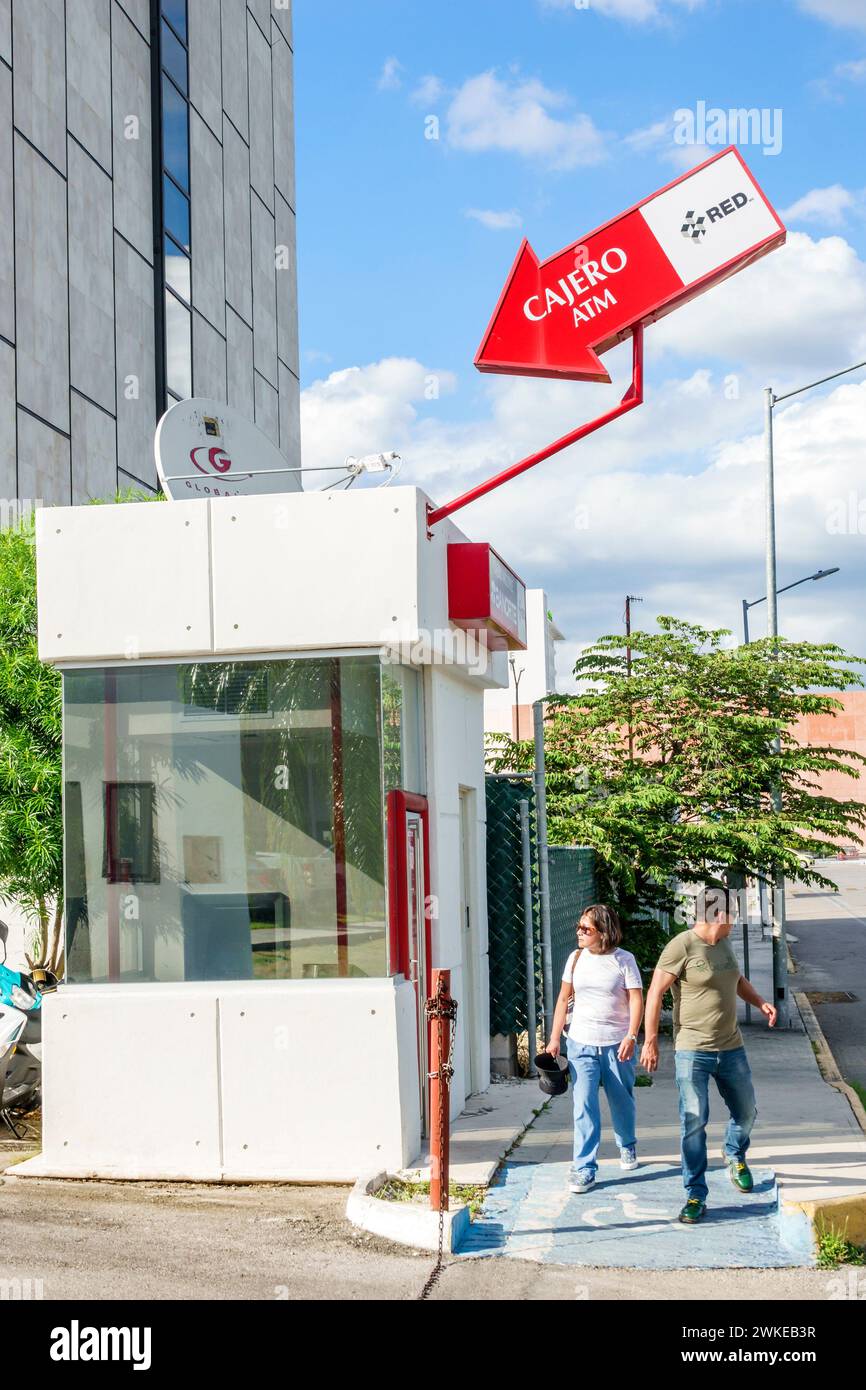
x=31, y=760
x=31, y=822
x=694, y=803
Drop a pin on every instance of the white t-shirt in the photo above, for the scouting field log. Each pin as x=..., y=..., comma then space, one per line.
x=601, y=985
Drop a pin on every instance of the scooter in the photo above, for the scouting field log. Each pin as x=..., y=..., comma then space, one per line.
x=20, y=1038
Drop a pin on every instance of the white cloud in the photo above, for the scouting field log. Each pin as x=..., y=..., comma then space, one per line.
x=849, y=14
x=822, y=205
x=389, y=78
x=852, y=72
x=803, y=307
x=429, y=91
x=522, y=117
x=658, y=139
x=633, y=11
x=495, y=221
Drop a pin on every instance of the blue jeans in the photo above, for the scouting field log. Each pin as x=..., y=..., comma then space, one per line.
x=734, y=1079
x=588, y=1067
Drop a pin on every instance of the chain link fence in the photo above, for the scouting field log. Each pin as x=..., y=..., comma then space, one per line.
x=505, y=929
x=572, y=888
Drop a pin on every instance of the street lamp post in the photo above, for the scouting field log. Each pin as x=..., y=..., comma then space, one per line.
x=778, y=966
x=753, y=603
x=771, y=400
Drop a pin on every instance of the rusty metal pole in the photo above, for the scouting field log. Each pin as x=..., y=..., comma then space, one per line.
x=440, y=1010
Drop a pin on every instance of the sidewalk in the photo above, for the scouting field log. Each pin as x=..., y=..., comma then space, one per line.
x=807, y=1148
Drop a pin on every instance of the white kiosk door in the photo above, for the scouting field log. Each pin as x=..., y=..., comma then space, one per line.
x=409, y=893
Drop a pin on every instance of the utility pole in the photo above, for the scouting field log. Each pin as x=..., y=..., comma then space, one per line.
x=780, y=944
x=629, y=600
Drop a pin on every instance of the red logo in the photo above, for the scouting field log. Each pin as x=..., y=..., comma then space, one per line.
x=218, y=460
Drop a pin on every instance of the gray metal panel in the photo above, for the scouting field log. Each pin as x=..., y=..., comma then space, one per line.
x=205, y=63
x=239, y=342
x=131, y=103
x=8, y=449
x=136, y=391
x=208, y=360
x=284, y=119
x=290, y=416
x=208, y=248
x=38, y=35
x=7, y=210
x=236, y=172
x=287, y=286
x=235, y=94
x=6, y=30
x=267, y=409
x=91, y=279
x=43, y=462
x=264, y=293
x=41, y=287
x=283, y=16
x=94, y=452
x=88, y=76
x=261, y=114
x=261, y=13
x=139, y=12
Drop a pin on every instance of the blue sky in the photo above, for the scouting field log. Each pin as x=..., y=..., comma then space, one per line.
x=552, y=119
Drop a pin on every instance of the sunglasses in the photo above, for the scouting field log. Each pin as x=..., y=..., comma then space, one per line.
x=586, y=930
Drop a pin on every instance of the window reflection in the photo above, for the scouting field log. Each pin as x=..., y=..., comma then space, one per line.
x=225, y=821
x=178, y=347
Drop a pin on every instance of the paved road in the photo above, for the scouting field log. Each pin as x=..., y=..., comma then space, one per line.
x=830, y=952
x=99, y=1241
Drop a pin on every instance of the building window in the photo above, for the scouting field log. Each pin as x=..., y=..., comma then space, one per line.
x=265, y=781
x=175, y=295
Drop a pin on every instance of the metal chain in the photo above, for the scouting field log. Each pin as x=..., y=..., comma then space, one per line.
x=441, y=1009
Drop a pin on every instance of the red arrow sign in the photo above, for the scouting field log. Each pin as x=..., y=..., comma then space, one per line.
x=554, y=317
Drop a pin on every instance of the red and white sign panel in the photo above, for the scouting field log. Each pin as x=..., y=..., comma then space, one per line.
x=555, y=317
x=205, y=448
x=486, y=597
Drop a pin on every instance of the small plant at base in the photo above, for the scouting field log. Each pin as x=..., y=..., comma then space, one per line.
x=835, y=1250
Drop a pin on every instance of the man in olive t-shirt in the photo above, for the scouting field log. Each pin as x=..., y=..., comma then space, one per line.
x=701, y=970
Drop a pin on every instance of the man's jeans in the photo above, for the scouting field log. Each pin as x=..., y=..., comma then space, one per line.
x=587, y=1066
x=734, y=1080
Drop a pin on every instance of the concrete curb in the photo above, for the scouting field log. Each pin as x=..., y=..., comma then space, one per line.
x=843, y=1216
x=406, y=1223
x=827, y=1064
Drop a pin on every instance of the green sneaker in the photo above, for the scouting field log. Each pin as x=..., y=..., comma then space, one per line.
x=692, y=1212
x=739, y=1173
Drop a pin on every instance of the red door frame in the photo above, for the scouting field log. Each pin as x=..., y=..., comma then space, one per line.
x=398, y=803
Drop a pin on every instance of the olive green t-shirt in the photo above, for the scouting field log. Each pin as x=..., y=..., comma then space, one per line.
x=705, y=993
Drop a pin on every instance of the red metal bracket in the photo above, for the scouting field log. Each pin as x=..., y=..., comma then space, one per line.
x=632, y=397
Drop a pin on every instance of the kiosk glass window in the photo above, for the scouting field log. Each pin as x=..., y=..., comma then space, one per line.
x=225, y=821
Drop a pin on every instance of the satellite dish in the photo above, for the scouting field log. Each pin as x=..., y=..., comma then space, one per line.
x=205, y=448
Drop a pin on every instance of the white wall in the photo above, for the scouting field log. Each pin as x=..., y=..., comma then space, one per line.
x=536, y=669
x=293, y=1080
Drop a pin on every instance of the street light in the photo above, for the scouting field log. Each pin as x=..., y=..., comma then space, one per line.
x=820, y=574
x=771, y=400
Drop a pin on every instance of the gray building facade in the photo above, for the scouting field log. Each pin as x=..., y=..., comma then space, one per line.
x=147, y=232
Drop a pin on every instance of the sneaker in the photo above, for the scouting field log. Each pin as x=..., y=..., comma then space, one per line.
x=692, y=1212
x=582, y=1181
x=628, y=1158
x=739, y=1173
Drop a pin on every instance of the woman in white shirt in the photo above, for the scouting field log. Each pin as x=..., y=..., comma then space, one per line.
x=605, y=983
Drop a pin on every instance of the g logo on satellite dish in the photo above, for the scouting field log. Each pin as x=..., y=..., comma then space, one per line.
x=218, y=461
